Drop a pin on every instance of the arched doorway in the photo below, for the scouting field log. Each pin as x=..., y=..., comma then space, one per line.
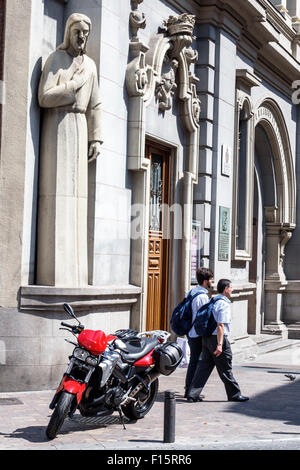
x=273, y=217
x=264, y=200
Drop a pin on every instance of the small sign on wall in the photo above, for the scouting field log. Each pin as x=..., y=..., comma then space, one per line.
x=224, y=233
x=195, y=250
x=226, y=160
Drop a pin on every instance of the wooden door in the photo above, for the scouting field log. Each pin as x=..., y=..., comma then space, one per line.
x=156, y=317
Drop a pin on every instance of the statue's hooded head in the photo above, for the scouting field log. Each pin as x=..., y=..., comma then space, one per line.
x=74, y=18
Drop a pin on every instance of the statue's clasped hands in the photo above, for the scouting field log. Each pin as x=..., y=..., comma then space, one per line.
x=94, y=151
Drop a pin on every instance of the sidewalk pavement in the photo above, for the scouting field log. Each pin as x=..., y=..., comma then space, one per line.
x=270, y=418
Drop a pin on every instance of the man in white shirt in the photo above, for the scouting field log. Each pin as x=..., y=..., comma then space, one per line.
x=216, y=351
x=205, y=279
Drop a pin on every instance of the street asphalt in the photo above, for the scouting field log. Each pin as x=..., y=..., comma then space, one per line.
x=270, y=420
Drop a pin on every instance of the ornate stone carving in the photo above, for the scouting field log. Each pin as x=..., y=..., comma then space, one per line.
x=196, y=107
x=158, y=70
x=165, y=88
x=182, y=24
x=191, y=55
x=139, y=78
x=137, y=19
x=285, y=236
x=240, y=98
x=174, y=48
x=137, y=70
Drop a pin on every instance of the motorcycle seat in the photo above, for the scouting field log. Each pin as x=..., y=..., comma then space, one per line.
x=133, y=349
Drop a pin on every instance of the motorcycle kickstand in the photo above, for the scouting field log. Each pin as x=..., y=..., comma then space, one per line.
x=71, y=414
x=121, y=416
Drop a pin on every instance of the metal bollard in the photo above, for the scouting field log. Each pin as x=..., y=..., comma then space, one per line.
x=169, y=416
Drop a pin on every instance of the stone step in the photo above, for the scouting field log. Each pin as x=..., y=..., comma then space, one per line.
x=257, y=345
x=272, y=346
x=263, y=339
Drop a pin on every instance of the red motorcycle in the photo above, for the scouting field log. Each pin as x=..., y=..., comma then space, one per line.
x=108, y=373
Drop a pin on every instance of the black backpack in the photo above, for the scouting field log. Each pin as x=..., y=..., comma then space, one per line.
x=181, y=320
x=205, y=322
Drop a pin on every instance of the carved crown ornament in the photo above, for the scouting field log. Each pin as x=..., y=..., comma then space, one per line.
x=162, y=68
x=180, y=24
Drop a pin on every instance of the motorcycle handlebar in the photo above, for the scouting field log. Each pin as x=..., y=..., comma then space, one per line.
x=66, y=325
x=76, y=329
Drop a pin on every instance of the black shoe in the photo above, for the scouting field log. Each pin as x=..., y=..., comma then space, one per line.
x=194, y=399
x=239, y=398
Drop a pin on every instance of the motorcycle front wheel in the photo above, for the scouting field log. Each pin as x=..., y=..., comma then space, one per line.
x=59, y=414
x=143, y=403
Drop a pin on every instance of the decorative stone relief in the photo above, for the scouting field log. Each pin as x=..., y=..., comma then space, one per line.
x=196, y=105
x=180, y=30
x=165, y=88
x=137, y=67
x=168, y=55
x=285, y=236
x=137, y=19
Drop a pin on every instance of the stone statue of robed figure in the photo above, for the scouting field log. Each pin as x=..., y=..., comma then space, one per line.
x=71, y=137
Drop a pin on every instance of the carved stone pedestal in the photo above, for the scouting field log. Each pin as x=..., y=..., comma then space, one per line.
x=277, y=236
x=274, y=291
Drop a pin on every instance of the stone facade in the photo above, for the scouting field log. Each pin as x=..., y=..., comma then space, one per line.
x=211, y=82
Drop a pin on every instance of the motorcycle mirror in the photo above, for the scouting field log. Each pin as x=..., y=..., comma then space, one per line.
x=70, y=311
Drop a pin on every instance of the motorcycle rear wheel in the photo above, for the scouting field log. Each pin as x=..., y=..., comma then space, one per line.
x=59, y=414
x=139, y=408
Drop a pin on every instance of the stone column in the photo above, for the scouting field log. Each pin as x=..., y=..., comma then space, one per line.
x=273, y=272
x=205, y=69
x=277, y=235
x=273, y=308
x=13, y=147
x=187, y=229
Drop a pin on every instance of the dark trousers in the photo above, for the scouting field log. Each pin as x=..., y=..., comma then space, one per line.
x=195, y=345
x=207, y=363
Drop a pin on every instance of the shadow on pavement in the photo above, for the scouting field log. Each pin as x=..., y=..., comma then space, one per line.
x=31, y=433
x=180, y=399
x=36, y=434
x=280, y=403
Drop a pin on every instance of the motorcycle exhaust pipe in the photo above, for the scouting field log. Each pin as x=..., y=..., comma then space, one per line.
x=145, y=383
x=153, y=375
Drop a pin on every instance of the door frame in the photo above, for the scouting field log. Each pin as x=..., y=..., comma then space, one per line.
x=152, y=147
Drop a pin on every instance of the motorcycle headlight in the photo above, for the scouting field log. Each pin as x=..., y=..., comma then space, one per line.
x=92, y=361
x=80, y=354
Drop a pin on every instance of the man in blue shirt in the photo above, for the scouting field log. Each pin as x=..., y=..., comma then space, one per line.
x=205, y=279
x=216, y=350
